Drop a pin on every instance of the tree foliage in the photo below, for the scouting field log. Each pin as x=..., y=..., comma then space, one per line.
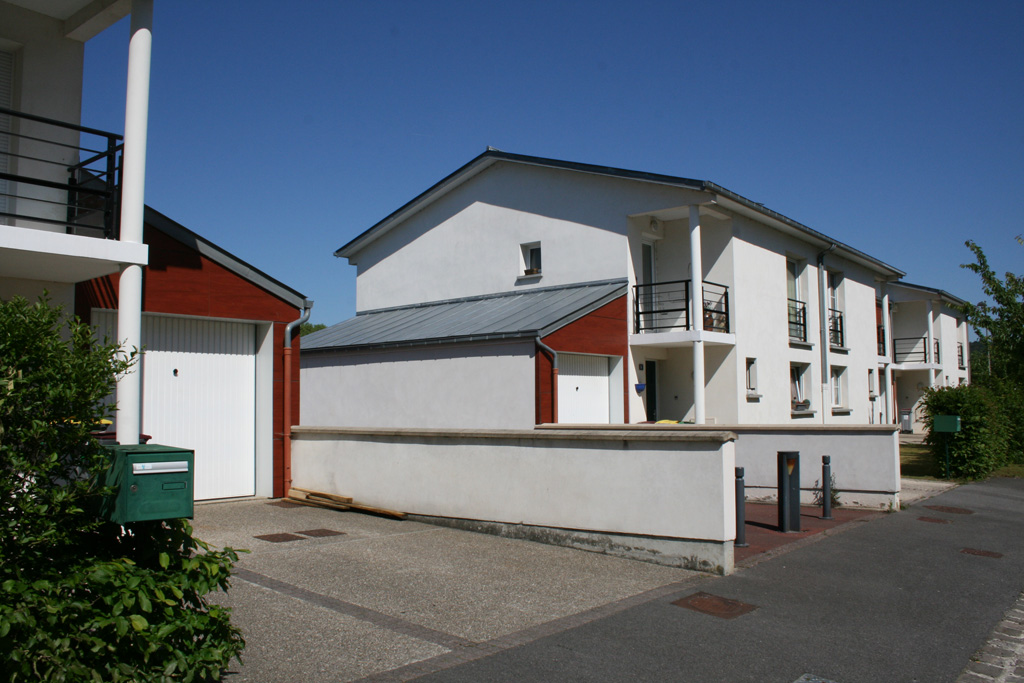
x=998, y=364
x=307, y=328
x=981, y=444
x=81, y=598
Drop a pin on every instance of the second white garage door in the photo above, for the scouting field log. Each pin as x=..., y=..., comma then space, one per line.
x=583, y=389
x=199, y=392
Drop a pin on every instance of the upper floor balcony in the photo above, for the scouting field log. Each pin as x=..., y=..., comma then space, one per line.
x=58, y=176
x=665, y=307
x=914, y=350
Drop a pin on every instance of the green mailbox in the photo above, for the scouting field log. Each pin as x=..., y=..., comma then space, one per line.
x=151, y=482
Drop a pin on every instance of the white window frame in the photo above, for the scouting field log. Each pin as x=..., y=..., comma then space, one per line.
x=526, y=259
x=837, y=380
x=751, y=378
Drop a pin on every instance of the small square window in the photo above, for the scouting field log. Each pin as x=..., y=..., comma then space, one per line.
x=531, y=263
x=751, y=375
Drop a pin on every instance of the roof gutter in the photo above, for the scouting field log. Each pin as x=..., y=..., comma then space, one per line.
x=286, y=432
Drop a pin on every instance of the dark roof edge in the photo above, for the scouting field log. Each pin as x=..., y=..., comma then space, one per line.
x=700, y=185
x=934, y=290
x=495, y=295
x=224, y=258
x=568, y=319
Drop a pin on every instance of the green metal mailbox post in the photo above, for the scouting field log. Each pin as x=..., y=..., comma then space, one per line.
x=152, y=482
x=949, y=424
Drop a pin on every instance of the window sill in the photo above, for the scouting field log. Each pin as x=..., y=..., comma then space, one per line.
x=753, y=396
x=533, y=277
x=842, y=411
x=803, y=413
x=797, y=344
x=839, y=349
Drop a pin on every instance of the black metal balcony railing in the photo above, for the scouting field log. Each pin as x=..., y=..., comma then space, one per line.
x=937, y=357
x=880, y=335
x=960, y=360
x=910, y=350
x=836, y=335
x=797, y=320
x=662, y=306
x=54, y=173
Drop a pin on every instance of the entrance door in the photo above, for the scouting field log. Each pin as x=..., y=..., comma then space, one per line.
x=651, y=390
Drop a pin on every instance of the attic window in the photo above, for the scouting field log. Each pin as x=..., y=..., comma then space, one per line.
x=530, y=258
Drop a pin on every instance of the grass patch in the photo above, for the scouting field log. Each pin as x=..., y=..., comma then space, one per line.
x=917, y=461
x=1011, y=471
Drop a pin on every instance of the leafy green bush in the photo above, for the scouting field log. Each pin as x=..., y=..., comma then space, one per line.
x=981, y=444
x=81, y=598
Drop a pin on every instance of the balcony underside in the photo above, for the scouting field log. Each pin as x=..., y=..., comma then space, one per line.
x=29, y=254
x=676, y=338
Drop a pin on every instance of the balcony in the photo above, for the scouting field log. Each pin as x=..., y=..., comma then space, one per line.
x=797, y=320
x=665, y=306
x=836, y=335
x=58, y=176
x=912, y=350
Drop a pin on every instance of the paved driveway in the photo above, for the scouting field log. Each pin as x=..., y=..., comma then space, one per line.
x=384, y=594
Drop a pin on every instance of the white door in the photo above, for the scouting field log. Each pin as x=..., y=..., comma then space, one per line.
x=583, y=389
x=199, y=392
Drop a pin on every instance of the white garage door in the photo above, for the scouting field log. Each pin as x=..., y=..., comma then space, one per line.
x=582, y=389
x=199, y=392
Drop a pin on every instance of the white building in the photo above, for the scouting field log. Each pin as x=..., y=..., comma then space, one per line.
x=467, y=294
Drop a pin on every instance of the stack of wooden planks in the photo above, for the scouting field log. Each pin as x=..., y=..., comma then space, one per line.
x=333, y=502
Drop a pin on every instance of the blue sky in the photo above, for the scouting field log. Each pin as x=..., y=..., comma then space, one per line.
x=282, y=130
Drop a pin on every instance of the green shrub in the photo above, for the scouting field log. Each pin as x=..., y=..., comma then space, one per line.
x=81, y=598
x=981, y=444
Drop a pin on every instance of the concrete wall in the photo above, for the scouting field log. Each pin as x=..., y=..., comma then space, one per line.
x=472, y=386
x=660, y=496
x=468, y=242
x=47, y=82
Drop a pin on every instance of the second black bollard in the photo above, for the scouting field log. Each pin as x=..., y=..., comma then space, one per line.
x=789, y=491
x=741, y=510
x=826, y=487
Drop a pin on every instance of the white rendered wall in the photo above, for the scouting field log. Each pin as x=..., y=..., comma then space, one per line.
x=480, y=386
x=60, y=293
x=468, y=242
x=672, y=489
x=48, y=82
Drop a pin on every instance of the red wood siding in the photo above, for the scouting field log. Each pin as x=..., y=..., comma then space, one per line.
x=602, y=332
x=181, y=281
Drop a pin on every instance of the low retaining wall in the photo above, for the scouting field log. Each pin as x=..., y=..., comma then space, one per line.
x=664, y=496
x=865, y=459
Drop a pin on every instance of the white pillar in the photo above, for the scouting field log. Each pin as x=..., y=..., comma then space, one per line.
x=697, y=314
x=930, y=349
x=133, y=191
x=890, y=355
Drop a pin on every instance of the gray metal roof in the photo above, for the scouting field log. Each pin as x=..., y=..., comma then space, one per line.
x=510, y=315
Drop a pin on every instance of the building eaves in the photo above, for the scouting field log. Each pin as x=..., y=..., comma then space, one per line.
x=932, y=290
x=494, y=317
x=224, y=258
x=491, y=155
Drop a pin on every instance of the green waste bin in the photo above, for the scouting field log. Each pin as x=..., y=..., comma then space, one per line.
x=151, y=482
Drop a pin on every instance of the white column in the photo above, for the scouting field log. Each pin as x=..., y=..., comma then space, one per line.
x=890, y=354
x=133, y=191
x=930, y=349
x=697, y=314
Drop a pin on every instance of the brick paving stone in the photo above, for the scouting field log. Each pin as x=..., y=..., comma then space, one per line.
x=973, y=678
x=987, y=669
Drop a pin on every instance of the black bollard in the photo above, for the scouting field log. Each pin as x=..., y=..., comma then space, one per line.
x=741, y=510
x=826, y=487
x=789, y=491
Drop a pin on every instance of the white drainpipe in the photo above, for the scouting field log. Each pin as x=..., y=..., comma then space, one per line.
x=133, y=204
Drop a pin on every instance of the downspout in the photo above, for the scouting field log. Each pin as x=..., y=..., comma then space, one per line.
x=823, y=325
x=286, y=433
x=554, y=377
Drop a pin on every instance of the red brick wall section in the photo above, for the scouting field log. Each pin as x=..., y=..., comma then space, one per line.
x=603, y=332
x=179, y=280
